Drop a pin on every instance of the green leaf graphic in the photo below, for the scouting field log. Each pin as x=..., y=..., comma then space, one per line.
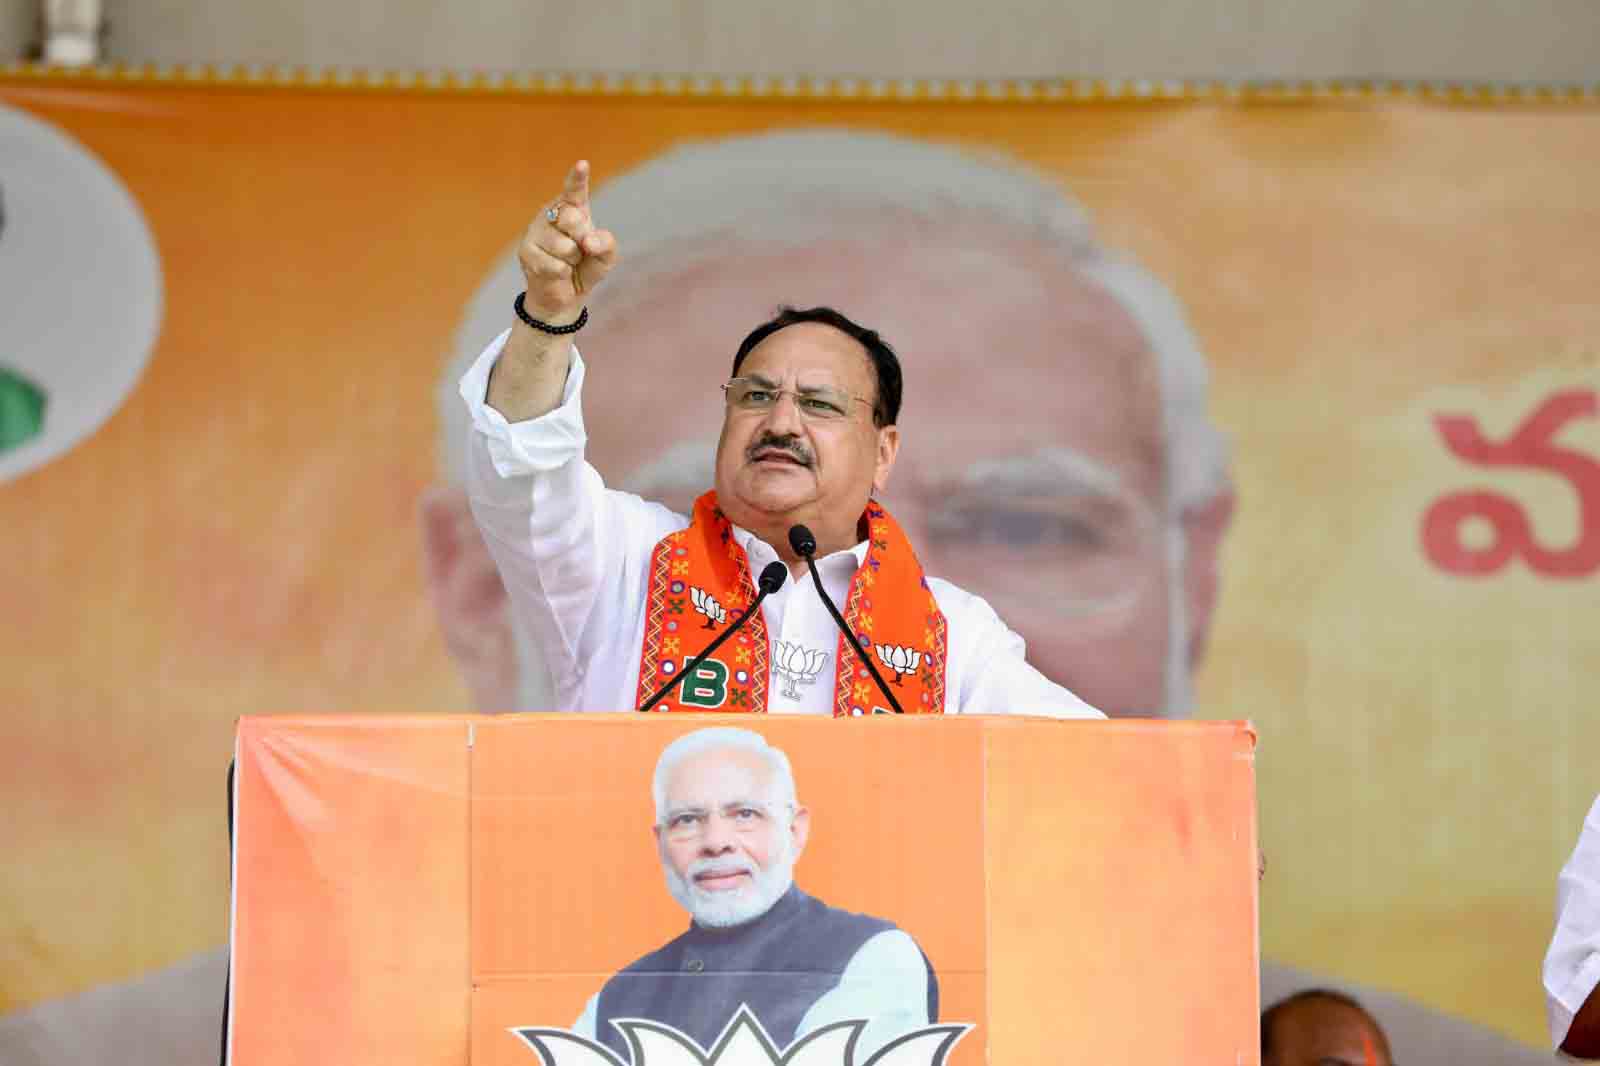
x=22, y=405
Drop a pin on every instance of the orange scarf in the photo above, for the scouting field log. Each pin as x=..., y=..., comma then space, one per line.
x=700, y=582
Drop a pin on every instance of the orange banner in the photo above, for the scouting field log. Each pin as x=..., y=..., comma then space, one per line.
x=1048, y=919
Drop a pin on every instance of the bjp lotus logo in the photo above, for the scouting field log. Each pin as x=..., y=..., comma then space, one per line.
x=743, y=1043
x=900, y=659
x=796, y=664
x=706, y=604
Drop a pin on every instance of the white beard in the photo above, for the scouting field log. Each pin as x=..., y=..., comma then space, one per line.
x=720, y=910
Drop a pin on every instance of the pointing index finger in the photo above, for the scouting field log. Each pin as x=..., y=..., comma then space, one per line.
x=576, y=189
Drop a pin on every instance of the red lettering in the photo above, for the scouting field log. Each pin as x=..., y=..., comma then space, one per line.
x=1528, y=447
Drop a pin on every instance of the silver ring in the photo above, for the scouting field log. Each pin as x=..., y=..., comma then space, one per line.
x=552, y=212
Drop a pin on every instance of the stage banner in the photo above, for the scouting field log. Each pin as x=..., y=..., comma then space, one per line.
x=1273, y=407
x=584, y=890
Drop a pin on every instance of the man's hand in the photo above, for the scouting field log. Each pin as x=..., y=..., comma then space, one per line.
x=563, y=258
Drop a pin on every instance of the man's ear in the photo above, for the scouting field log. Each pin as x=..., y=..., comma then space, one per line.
x=1204, y=526
x=800, y=829
x=468, y=597
x=888, y=448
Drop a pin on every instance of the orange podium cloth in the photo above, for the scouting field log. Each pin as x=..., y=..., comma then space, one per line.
x=411, y=889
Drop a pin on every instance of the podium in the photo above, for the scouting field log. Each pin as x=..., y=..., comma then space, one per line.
x=419, y=889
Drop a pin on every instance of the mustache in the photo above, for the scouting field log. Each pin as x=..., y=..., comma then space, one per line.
x=789, y=445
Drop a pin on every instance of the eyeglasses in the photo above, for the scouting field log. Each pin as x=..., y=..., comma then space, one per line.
x=819, y=403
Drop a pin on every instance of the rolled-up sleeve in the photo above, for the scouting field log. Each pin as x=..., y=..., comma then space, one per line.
x=537, y=503
x=536, y=446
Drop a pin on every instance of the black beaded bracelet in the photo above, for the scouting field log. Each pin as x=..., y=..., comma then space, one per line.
x=545, y=327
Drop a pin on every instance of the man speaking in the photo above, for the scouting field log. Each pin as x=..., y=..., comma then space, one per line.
x=621, y=593
x=729, y=828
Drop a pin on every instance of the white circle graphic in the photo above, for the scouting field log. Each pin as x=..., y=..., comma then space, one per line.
x=80, y=285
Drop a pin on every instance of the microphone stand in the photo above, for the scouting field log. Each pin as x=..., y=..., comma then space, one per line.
x=805, y=546
x=771, y=580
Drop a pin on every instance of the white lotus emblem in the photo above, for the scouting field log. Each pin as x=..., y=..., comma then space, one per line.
x=796, y=664
x=900, y=659
x=743, y=1043
x=706, y=604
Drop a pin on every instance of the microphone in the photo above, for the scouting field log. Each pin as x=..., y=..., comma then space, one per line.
x=770, y=581
x=805, y=546
x=802, y=542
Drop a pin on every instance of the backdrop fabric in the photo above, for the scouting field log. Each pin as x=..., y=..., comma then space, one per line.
x=1395, y=297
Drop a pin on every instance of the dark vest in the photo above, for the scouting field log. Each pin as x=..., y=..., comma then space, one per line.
x=779, y=965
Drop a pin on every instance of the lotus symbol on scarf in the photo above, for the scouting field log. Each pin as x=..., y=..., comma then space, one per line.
x=796, y=664
x=704, y=604
x=900, y=659
x=743, y=1042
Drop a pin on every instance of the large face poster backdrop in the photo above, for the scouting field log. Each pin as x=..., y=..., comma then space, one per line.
x=1375, y=536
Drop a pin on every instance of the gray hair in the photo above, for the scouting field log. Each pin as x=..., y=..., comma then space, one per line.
x=781, y=190
x=723, y=738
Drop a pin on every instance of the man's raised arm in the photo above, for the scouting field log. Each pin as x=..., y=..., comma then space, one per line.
x=563, y=257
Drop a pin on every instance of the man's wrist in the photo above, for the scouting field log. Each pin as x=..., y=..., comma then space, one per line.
x=566, y=320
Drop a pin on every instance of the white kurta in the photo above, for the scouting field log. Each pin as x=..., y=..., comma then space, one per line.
x=574, y=557
x=1572, y=965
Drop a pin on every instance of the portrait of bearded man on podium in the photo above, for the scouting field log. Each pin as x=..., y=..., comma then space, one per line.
x=729, y=829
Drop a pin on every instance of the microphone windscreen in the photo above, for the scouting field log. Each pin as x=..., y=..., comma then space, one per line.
x=802, y=542
x=772, y=577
